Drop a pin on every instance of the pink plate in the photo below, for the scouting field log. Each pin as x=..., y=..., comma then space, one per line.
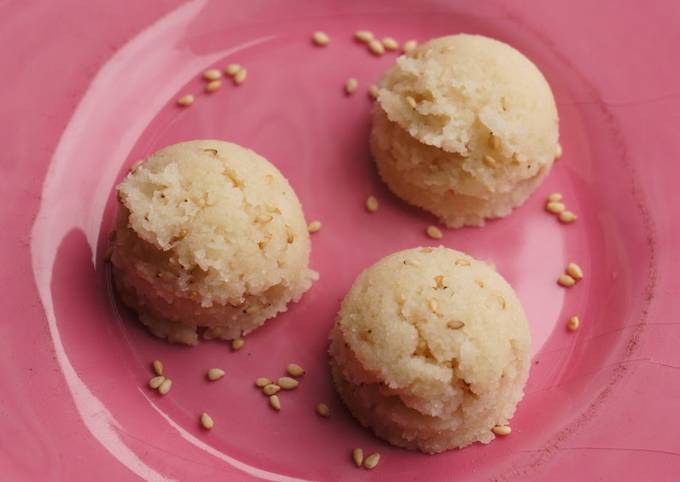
x=89, y=88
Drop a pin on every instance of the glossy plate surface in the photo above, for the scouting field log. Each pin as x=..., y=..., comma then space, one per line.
x=89, y=88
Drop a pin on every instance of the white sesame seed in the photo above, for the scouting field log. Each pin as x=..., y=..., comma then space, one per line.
x=373, y=91
x=212, y=86
x=566, y=281
x=372, y=204
x=275, y=403
x=573, y=323
x=390, y=44
x=314, y=226
x=358, y=457
x=554, y=197
x=495, y=142
x=295, y=370
x=232, y=69
x=320, y=38
x=156, y=382
x=371, y=461
x=185, y=100
x=455, y=324
x=212, y=74
x=489, y=161
x=575, y=271
x=376, y=47
x=410, y=46
x=433, y=305
x=207, y=421
x=363, y=36
x=434, y=232
x=411, y=101
x=555, y=207
x=412, y=262
x=502, y=430
x=271, y=389
x=165, y=387
x=240, y=76
x=157, y=366
x=568, y=217
x=351, y=86
x=237, y=344
x=215, y=374
x=262, y=382
x=558, y=151
x=287, y=383
x=323, y=410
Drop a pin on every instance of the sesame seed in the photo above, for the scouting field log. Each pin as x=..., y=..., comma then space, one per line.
x=295, y=370
x=262, y=382
x=373, y=91
x=275, y=403
x=390, y=44
x=372, y=204
x=411, y=101
x=323, y=410
x=314, y=226
x=455, y=324
x=212, y=74
x=425, y=250
x=575, y=271
x=363, y=36
x=566, y=281
x=240, y=76
x=215, y=374
x=412, y=262
x=573, y=323
x=237, y=344
x=165, y=387
x=554, y=197
x=502, y=430
x=320, y=38
x=434, y=232
x=489, y=161
x=495, y=142
x=371, y=461
x=351, y=86
x=439, y=282
x=462, y=262
x=558, y=151
x=568, y=217
x=271, y=389
x=157, y=366
x=156, y=382
x=212, y=86
x=433, y=305
x=479, y=283
x=555, y=207
x=410, y=46
x=376, y=47
x=232, y=69
x=358, y=457
x=287, y=383
x=207, y=421
x=185, y=100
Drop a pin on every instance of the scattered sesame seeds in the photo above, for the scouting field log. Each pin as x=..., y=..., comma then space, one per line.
x=185, y=100
x=157, y=366
x=390, y=44
x=321, y=39
x=376, y=47
x=275, y=403
x=287, y=383
x=434, y=232
x=237, y=344
x=314, y=226
x=207, y=421
x=295, y=370
x=575, y=271
x=212, y=74
x=212, y=86
x=358, y=457
x=215, y=374
x=232, y=69
x=568, y=217
x=566, y=281
x=262, y=382
x=363, y=36
x=372, y=461
x=410, y=46
x=554, y=197
x=351, y=86
x=555, y=207
x=156, y=382
x=411, y=102
x=240, y=76
x=323, y=410
x=573, y=323
x=165, y=387
x=489, y=161
x=502, y=430
x=373, y=91
x=271, y=389
x=372, y=204
x=455, y=324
